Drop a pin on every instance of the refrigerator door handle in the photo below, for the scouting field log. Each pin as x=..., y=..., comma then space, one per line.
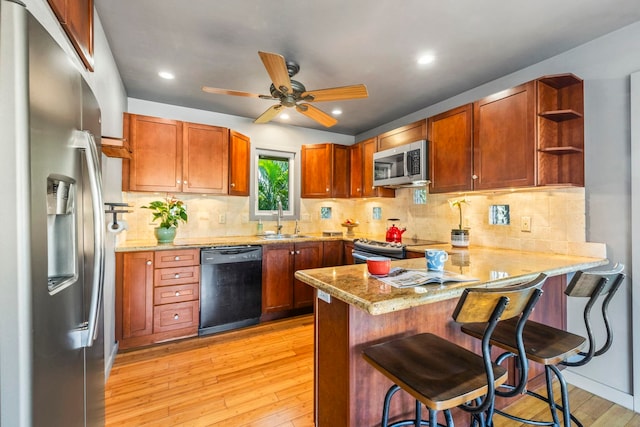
x=85, y=142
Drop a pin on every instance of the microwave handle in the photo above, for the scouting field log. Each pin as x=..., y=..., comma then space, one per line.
x=405, y=163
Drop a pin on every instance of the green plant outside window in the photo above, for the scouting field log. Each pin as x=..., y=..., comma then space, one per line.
x=273, y=182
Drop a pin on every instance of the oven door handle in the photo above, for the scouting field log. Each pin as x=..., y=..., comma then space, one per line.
x=359, y=256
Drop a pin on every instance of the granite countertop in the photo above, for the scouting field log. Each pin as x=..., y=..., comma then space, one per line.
x=492, y=267
x=202, y=242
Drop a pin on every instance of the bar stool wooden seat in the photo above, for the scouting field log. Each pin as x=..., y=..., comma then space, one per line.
x=442, y=375
x=551, y=347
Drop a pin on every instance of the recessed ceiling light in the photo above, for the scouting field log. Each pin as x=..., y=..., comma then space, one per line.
x=284, y=116
x=427, y=58
x=336, y=112
x=166, y=75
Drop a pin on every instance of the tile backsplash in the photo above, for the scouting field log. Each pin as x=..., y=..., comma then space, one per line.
x=557, y=218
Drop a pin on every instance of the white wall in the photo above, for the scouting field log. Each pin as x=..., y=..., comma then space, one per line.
x=109, y=91
x=605, y=64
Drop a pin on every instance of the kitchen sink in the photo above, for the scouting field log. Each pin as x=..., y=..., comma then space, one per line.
x=284, y=236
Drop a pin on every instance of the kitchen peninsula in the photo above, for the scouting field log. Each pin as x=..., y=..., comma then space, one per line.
x=354, y=310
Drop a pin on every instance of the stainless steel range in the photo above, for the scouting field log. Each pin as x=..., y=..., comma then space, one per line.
x=364, y=248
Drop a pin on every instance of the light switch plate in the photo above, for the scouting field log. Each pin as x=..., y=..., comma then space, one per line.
x=525, y=224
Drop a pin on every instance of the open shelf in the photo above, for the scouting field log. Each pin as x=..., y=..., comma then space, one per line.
x=561, y=80
x=560, y=115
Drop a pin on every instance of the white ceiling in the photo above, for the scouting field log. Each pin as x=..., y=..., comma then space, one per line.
x=337, y=43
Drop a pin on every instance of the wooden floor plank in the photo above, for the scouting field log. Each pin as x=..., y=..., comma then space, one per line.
x=261, y=377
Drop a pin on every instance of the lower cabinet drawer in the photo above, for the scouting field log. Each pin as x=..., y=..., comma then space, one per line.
x=169, y=317
x=175, y=293
x=176, y=276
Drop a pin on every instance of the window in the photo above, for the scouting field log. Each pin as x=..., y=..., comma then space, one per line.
x=274, y=177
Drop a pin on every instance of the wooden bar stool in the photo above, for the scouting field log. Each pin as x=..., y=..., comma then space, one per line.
x=442, y=375
x=550, y=346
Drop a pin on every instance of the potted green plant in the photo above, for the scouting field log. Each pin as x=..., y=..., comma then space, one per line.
x=459, y=236
x=170, y=212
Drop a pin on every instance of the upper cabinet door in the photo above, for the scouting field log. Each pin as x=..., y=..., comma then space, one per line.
x=450, y=150
x=156, y=164
x=504, y=139
x=316, y=170
x=206, y=159
x=76, y=17
x=355, y=163
x=412, y=132
x=239, y=163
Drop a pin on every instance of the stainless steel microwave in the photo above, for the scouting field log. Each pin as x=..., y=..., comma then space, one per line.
x=403, y=166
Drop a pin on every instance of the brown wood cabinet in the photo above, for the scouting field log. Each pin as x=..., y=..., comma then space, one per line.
x=507, y=149
x=325, y=171
x=205, y=159
x=137, y=294
x=403, y=135
x=332, y=253
x=156, y=162
x=361, y=174
x=277, y=273
x=239, y=163
x=307, y=255
x=450, y=139
x=356, y=163
x=174, y=156
x=281, y=292
x=76, y=18
x=504, y=139
x=348, y=253
x=560, y=130
x=157, y=296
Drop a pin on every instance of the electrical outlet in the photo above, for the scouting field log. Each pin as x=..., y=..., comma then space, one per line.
x=525, y=224
x=222, y=218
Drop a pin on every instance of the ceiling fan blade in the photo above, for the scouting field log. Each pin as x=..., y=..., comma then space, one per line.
x=277, y=69
x=271, y=113
x=316, y=114
x=228, y=92
x=338, y=93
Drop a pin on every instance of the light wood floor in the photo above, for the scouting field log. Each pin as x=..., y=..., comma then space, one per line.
x=260, y=376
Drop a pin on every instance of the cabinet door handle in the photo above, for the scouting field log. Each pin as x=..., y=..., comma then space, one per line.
x=177, y=181
x=177, y=276
x=177, y=293
x=176, y=258
x=232, y=185
x=292, y=253
x=184, y=182
x=149, y=262
x=327, y=190
x=474, y=176
x=297, y=252
x=176, y=317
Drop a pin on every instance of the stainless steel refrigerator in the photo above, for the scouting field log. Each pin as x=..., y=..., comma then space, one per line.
x=51, y=233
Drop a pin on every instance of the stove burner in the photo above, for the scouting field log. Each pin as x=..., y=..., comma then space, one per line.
x=378, y=243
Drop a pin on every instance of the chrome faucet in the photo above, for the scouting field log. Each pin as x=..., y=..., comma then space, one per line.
x=279, y=218
x=296, y=230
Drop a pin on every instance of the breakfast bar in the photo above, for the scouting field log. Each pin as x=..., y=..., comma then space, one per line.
x=354, y=310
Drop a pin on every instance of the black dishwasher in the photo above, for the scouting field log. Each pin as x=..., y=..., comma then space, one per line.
x=230, y=288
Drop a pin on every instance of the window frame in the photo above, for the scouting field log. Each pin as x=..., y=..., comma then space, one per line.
x=293, y=212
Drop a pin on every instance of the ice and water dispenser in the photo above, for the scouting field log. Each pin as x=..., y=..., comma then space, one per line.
x=61, y=232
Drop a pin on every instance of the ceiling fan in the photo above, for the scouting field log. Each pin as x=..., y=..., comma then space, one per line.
x=292, y=93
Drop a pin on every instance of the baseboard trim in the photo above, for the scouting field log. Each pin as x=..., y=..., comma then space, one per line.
x=599, y=389
x=109, y=361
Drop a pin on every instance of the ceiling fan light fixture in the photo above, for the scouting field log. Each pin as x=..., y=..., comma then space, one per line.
x=336, y=111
